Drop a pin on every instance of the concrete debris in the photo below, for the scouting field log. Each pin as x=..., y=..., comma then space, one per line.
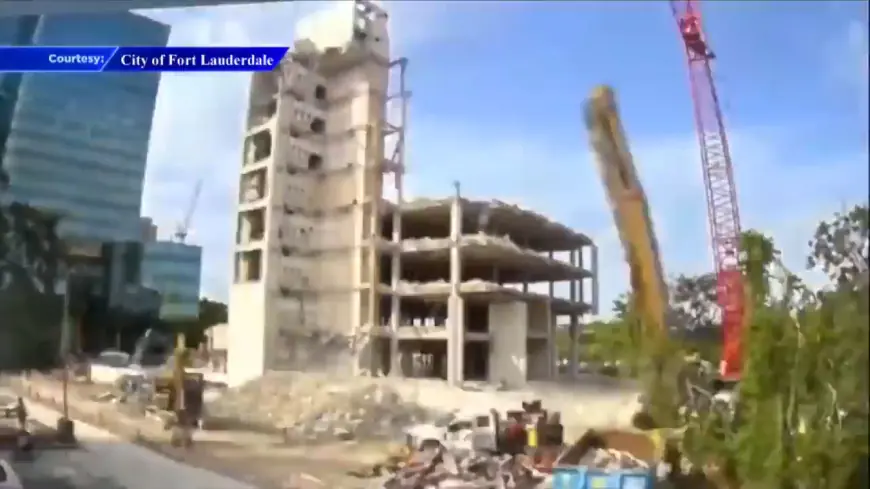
x=443, y=467
x=611, y=460
x=134, y=391
x=308, y=407
x=442, y=286
x=476, y=286
x=436, y=467
x=478, y=239
x=504, y=243
x=492, y=206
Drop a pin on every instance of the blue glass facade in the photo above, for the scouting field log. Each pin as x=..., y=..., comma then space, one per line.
x=173, y=269
x=78, y=143
x=35, y=7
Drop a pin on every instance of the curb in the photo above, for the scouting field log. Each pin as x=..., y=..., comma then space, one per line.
x=9, y=479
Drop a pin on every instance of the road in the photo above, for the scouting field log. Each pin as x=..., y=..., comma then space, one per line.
x=53, y=469
x=106, y=462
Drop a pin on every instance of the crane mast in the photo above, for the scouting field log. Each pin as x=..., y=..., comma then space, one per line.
x=184, y=226
x=722, y=210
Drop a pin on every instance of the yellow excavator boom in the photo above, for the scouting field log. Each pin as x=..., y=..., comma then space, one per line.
x=629, y=205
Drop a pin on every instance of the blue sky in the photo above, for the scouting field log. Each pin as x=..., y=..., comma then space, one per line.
x=498, y=91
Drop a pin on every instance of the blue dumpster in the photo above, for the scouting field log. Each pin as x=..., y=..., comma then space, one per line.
x=589, y=478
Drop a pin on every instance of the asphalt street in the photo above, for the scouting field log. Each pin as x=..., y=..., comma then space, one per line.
x=104, y=462
x=51, y=469
x=55, y=469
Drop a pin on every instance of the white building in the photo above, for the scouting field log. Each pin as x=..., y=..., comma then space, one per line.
x=310, y=196
x=330, y=276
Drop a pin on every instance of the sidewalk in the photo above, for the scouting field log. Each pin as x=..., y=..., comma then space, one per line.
x=104, y=455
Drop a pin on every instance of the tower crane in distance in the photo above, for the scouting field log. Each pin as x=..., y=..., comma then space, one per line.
x=183, y=227
x=722, y=209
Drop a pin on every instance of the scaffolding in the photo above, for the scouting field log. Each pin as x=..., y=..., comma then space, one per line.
x=396, y=162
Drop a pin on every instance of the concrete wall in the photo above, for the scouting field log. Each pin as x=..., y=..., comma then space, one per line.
x=538, y=359
x=246, y=333
x=508, y=326
x=334, y=26
x=540, y=340
x=217, y=337
x=317, y=191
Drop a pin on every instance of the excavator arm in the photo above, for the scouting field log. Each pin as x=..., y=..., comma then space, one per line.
x=629, y=206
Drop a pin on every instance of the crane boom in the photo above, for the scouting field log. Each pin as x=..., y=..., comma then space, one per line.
x=722, y=210
x=184, y=225
x=629, y=206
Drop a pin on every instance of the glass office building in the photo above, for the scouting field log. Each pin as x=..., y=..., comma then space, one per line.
x=173, y=269
x=77, y=143
x=41, y=7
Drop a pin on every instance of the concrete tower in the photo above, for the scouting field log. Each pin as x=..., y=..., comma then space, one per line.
x=309, y=204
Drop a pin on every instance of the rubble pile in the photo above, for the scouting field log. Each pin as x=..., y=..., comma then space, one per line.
x=437, y=467
x=308, y=407
x=445, y=468
x=611, y=460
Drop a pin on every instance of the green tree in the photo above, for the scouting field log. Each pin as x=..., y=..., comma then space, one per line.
x=802, y=418
x=758, y=256
x=591, y=341
x=839, y=247
x=210, y=313
x=31, y=256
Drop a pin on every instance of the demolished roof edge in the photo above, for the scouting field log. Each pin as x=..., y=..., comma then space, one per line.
x=423, y=203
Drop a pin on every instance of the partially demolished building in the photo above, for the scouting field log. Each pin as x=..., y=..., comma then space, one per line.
x=329, y=275
x=465, y=280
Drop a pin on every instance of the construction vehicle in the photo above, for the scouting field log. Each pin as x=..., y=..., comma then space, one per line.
x=631, y=215
x=530, y=430
x=173, y=389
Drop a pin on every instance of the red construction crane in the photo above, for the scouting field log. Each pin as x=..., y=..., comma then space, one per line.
x=723, y=214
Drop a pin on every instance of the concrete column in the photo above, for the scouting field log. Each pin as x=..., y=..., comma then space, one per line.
x=396, y=268
x=581, y=294
x=594, y=269
x=552, y=347
x=406, y=362
x=456, y=308
x=573, y=331
x=362, y=336
x=508, y=354
x=525, y=244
